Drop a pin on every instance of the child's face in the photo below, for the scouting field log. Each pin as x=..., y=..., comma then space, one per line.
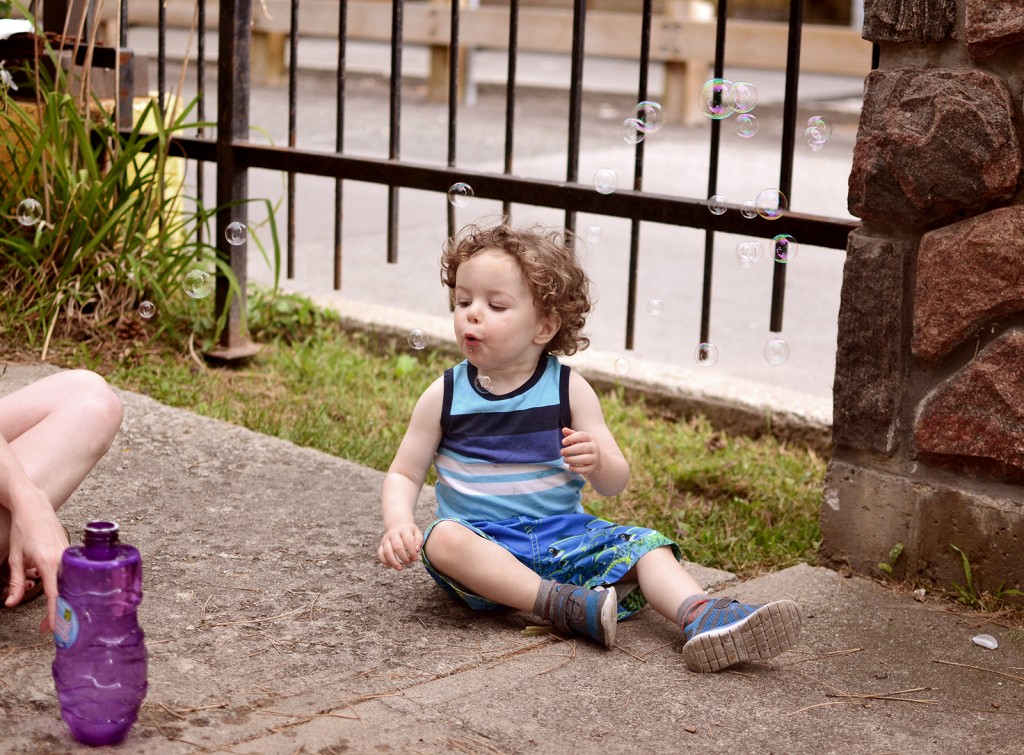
x=497, y=323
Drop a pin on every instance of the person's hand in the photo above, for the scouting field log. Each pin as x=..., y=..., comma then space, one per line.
x=580, y=451
x=36, y=545
x=400, y=546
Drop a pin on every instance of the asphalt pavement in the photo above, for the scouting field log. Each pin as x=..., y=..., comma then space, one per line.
x=272, y=629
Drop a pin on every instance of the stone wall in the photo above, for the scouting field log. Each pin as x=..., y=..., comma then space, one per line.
x=929, y=387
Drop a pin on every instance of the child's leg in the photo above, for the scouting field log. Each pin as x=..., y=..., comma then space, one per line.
x=58, y=428
x=665, y=582
x=488, y=570
x=481, y=565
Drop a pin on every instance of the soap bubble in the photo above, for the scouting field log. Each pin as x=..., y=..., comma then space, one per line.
x=717, y=204
x=821, y=124
x=482, y=383
x=606, y=180
x=746, y=125
x=776, y=351
x=706, y=354
x=650, y=115
x=30, y=211
x=593, y=234
x=417, y=339
x=198, y=284
x=632, y=131
x=655, y=307
x=236, y=233
x=815, y=138
x=771, y=204
x=749, y=253
x=717, y=99
x=622, y=366
x=749, y=209
x=744, y=96
x=147, y=309
x=459, y=194
x=785, y=248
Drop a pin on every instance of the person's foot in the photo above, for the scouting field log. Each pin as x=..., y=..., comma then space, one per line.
x=724, y=632
x=580, y=610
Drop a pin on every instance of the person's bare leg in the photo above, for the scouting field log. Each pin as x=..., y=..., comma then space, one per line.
x=58, y=428
x=665, y=582
x=481, y=566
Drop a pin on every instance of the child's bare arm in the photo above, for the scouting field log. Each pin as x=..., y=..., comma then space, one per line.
x=588, y=446
x=402, y=539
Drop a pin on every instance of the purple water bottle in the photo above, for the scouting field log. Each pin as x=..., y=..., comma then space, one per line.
x=100, y=665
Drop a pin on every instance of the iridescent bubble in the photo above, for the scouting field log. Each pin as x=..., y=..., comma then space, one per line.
x=749, y=209
x=655, y=307
x=146, y=310
x=706, y=354
x=632, y=131
x=717, y=99
x=776, y=351
x=749, y=253
x=236, y=233
x=593, y=234
x=785, y=248
x=744, y=96
x=650, y=115
x=30, y=211
x=771, y=204
x=606, y=180
x=717, y=204
x=417, y=339
x=821, y=124
x=459, y=194
x=815, y=138
x=622, y=366
x=746, y=125
x=198, y=284
x=482, y=383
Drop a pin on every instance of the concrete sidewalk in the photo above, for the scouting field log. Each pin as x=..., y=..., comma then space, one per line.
x=271, y=629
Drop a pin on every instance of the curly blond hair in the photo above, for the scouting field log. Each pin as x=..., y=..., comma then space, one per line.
x=559, y=284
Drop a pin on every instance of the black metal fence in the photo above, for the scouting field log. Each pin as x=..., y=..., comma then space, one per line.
x=234, y=154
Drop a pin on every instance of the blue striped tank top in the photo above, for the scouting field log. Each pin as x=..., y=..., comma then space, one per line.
x=499, y=456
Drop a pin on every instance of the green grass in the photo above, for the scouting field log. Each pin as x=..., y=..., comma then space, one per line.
x=734, y=503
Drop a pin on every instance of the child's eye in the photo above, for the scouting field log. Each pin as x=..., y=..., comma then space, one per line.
x=498, y=307
x=461, y=303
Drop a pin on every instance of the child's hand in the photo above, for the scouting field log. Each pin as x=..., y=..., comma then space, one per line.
x=580, y=451
x=400, y=546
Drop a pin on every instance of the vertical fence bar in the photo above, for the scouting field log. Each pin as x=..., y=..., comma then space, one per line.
x=233, y=80
x=796, y=19
x=716, y=136
x=293, y=67
x=579, y=24
x=339, y=135
x=510, y=95
x=394, y=121
x=161, y=57
x=453, y=100
x=638, y=175
x=122, y=23
x=200, y=106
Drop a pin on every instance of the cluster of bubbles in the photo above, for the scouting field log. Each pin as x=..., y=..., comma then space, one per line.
x=646, y=118
x=417, y=339
x=720, y=98
x=817, y=133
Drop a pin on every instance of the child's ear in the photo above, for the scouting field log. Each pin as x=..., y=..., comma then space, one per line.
x=547, y=329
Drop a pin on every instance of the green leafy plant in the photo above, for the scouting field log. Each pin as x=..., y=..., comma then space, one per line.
x=888, y=567
x=969, y=595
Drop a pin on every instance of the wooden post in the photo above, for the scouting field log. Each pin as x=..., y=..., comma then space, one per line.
x=684, y=78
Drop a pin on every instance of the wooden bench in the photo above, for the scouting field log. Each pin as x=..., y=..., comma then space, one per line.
x=682, y=38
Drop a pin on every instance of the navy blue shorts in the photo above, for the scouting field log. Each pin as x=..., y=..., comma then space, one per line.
x=575, y=549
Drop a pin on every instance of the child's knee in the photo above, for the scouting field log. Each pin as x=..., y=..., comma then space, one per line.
x=445, y=541
x=91, y=395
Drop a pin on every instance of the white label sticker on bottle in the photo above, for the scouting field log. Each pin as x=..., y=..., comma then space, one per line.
x=65, y=630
